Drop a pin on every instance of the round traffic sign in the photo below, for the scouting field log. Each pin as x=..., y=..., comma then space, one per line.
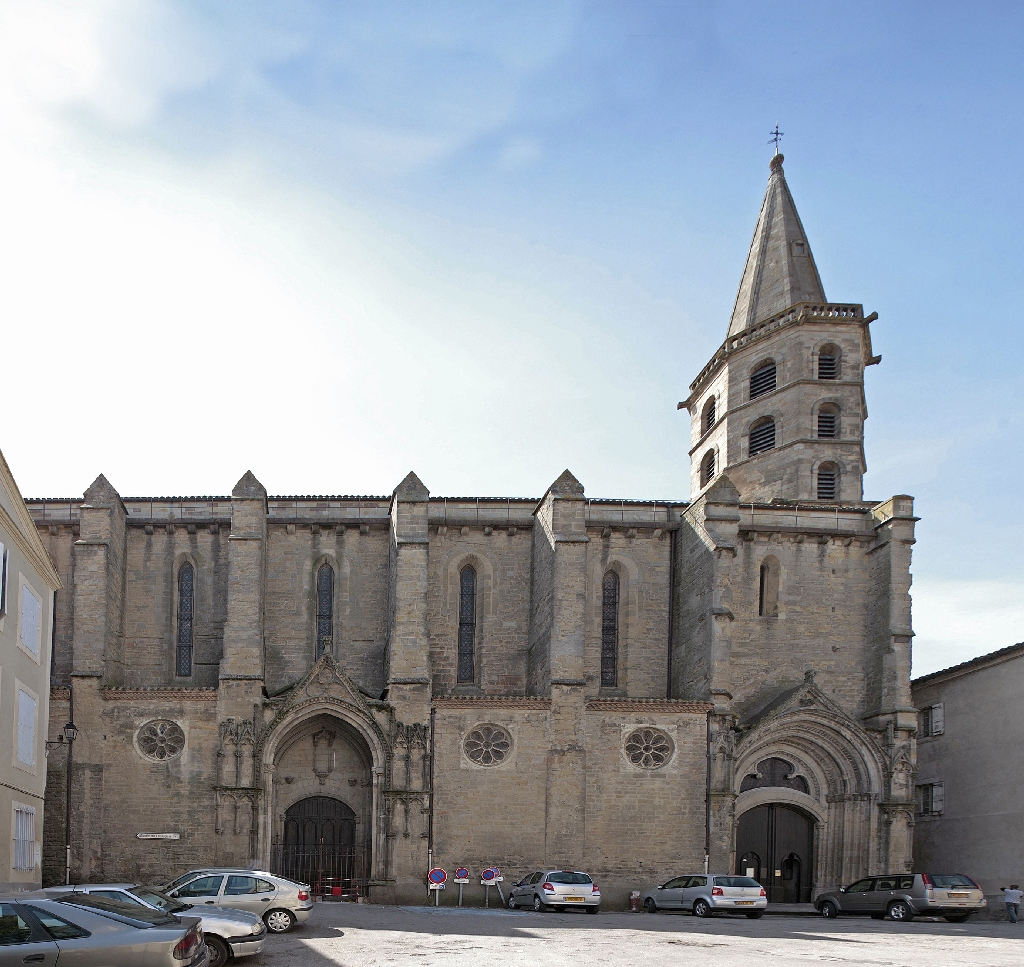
x=437, y=875
x=488, y=874
x=462, y=873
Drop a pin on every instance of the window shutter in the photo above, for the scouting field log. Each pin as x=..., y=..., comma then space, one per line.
x=937, y=725
x=26, y=729
x=3, y=580
x=937, y=797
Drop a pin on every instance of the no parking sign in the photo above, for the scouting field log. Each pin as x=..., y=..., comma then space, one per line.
x=437, y=876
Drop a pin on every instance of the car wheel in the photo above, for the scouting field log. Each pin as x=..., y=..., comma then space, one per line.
x=959, y=918
x=279, y=921
x=219, y=953
x=756, y=915
x=701, y=908
x=512, y=905
x=592, y=909
x=538, y=906
x=650, y=906
x=900, y=911
x=829, y=910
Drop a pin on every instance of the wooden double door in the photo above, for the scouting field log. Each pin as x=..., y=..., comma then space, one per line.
x=775, y=845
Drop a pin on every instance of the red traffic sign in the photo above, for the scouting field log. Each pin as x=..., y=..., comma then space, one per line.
x=462, y=873
x=489, y=874
x=437, y=875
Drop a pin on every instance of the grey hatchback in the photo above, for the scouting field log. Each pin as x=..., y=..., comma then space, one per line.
x=556, y=890
x=279, y=901
x=901, y=896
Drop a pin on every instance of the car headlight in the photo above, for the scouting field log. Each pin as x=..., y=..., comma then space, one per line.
x=258, y=927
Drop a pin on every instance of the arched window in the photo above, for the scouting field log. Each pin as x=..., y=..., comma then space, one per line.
x=324, y=609
x=768, y=590
x=828, y=482
x=707, y=468
x=828, y=362
x=186, y=610
x=609, y=630
x=762, y=436
x=708, y=418
x=467, y=624
x=828, y=422
x=762, y=380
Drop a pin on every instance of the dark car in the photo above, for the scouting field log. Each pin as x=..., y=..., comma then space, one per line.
x=902, y=896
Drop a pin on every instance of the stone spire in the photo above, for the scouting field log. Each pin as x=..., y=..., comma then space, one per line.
x=780, y=270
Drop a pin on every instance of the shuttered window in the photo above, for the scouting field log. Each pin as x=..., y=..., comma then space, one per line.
x=930, y=798
x=762, y=437
x=324, y=609
x=709, y=415
x=24, y=837
x=707, y=468
x=828, y=479
x=828, y=366
x=26, y=728
x=31, y=612
x=609, y=630
x=762, y=380
x=3, y=580
x=186, y=610
x=828, y=424
x=467, y=624
x=932, y=720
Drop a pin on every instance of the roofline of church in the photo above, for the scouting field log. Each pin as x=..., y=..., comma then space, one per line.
x=975, y=664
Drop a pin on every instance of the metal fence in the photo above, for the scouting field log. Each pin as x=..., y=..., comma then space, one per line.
x=332, y=871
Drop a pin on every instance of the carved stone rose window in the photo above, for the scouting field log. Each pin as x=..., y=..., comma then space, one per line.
x=161, y=740
x=648, y=748
x=488, y=745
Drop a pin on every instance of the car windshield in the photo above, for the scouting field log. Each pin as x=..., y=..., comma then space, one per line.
x=160, y=901
x=735, y=881
x=567, y=877
x=181, y=879
x=143, y=916
x=954, y=879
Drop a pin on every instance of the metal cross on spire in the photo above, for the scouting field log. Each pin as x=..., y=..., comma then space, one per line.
x=776, y=137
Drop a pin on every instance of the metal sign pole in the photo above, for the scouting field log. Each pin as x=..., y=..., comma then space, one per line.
x=487, y=894
x=502, y=895
x=460, y=894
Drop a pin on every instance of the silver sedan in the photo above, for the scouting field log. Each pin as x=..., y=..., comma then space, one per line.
x=556, y=890
x=705, y=894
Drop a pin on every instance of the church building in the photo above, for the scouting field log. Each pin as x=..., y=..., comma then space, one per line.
x=350, y=690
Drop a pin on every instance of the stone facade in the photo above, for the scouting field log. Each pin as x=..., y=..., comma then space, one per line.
x=970, y=772
x=602, y=684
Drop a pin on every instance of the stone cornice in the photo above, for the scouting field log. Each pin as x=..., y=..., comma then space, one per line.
x=530, y=703
x=158, y=694
x=648, y=705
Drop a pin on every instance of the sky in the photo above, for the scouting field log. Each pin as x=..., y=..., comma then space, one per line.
x=335, y=242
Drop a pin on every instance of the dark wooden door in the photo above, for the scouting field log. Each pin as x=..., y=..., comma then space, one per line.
x=784, y=838
x=319, y=820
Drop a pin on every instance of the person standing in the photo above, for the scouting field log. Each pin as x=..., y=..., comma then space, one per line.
x=1012, y=898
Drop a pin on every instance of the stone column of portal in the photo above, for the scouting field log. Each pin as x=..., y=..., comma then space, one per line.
x=98, y=661
x=241, y=665
x=558, y=610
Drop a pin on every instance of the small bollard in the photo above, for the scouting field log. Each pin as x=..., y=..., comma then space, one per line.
x=634, y=901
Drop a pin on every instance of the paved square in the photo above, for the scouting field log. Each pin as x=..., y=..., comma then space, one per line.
x=357, y=935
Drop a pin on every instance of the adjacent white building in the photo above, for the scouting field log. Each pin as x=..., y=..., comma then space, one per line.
x=28, y=583
x=970, y=772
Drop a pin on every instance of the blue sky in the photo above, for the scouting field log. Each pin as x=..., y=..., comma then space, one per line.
x=332, y=242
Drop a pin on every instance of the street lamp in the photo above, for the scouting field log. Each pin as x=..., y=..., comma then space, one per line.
x=67, y=737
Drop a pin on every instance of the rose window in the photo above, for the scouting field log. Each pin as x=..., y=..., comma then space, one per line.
x=648, y=748
x=161, y=740
x=488, y=745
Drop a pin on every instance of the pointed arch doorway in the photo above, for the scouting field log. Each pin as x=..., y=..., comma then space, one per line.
x=776, y=840
x=319, y=847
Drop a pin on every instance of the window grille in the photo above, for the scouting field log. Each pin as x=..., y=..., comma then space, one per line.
x=828, y=424
x=467, y=624
x=709, y=415
x=828, y=366
x=609, y=630
x=186, y=610
x=707, y=468
x=828, y=478
x=24, y=838
x=762, y=381
x=762, y=437
x=324, y=609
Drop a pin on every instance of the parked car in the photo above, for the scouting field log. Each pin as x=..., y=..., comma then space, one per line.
x=95, y=932
x=902, y=896
x=279, y=901
x=705, y=894
x=556, y=890
x=229, y=933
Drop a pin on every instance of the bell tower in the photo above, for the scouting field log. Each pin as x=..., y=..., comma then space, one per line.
x=780, y=407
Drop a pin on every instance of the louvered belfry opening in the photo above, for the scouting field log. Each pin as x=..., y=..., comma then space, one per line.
x=828, y=480
x=467, y=624
x=828, y=364
x=324, y=609
x=186, y=605
x=762, y=437
x=762, y=380
x=709, y=415
x=828, y=424
x=609, y=630
x=707, y=468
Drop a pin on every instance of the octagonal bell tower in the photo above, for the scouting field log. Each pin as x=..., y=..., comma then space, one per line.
x=780, y=407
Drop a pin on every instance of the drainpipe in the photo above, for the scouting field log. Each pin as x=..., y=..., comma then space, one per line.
x=67, y=790
x=671, y=604
x=430, y=798
x=707, y=800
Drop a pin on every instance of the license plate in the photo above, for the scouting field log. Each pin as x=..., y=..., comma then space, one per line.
x=744, y=903
x=574, y=899
x=964, y=895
